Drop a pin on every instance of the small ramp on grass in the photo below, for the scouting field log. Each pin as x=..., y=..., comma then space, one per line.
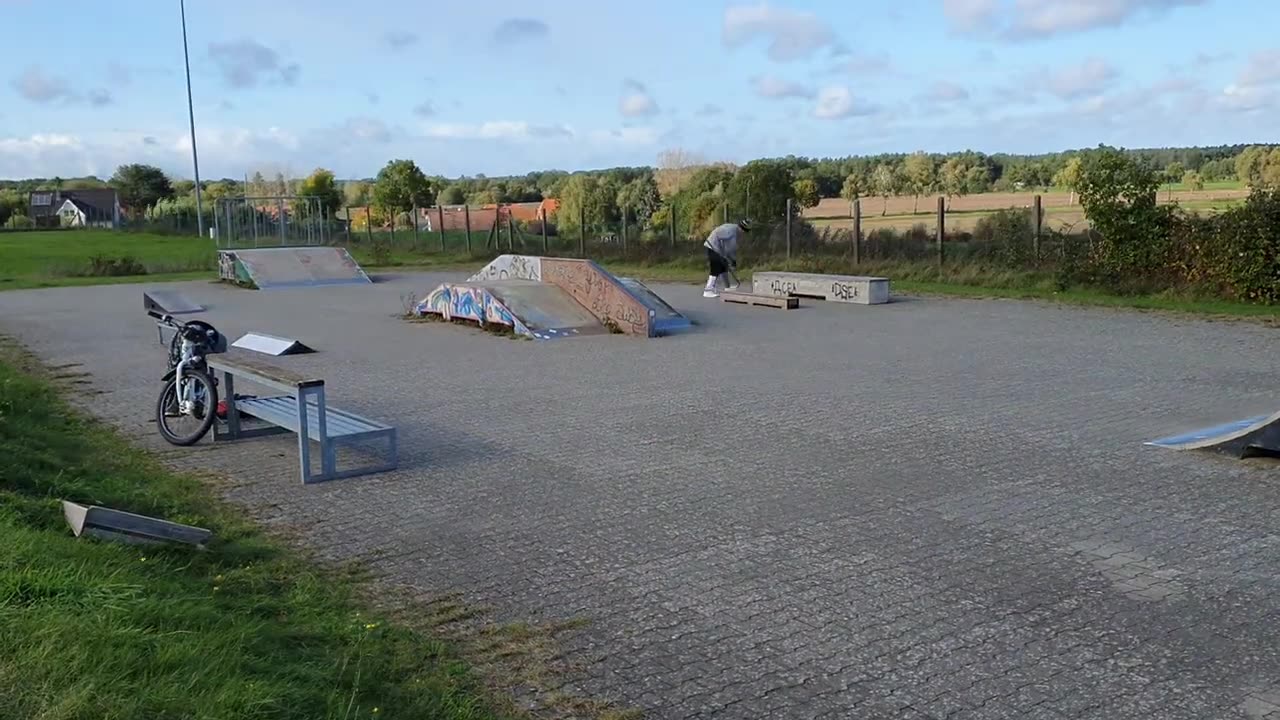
x=1250, y=437
x=288, y=267
x=271, y=344
x=169, y=302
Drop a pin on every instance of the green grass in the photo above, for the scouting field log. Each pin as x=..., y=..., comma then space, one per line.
x=65, y=257
x=244, y=629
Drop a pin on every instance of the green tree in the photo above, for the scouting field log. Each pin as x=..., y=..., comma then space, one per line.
x=918, y=170
x=955, y=176
x=452, y=194
x=400, y=185
x=12, y=203
x=321, y=184
x=1118, y=193
x=184, y=187
x=140, y=186
x=585, y=198
x=884, y=182
x=1172, y=175
x=760, y=190
x=640, y=198
x=806, y=192
x=1193, y=180
x=856, y=184
x=355, y=192
x=1250, y=164
x=1069, y=177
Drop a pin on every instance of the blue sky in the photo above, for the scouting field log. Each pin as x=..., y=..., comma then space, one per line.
x=507, y=87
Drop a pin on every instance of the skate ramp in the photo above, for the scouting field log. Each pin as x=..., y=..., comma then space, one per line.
x=530, y=308
x=624, y=303
x=1258, y=435
x=286, y=267
x=666, y=319
x=169, y=302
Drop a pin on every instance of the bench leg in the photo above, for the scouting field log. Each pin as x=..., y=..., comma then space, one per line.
x=304, y=437
x=328, y=450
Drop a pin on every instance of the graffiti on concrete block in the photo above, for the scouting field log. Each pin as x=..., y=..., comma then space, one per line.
x=226, y=266
x=511, y=267
x=599, y=292
x=470, y=303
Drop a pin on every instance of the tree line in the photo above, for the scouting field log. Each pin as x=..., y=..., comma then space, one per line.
x=681, y=183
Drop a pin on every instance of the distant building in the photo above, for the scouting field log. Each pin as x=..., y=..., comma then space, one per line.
x=95, y=207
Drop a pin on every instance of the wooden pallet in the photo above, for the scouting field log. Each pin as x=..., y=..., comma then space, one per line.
x=745, y=298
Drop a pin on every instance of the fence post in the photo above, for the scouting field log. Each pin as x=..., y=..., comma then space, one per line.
x=280, y=205
x=368, y=223
x=440, y=220
x=544, y=231
x=346, y=233
x=725, y=211
x=582, y=231
x=857, y=231
x=466, y=219
x=511, y=233
x=1035, y=239
x=942, y=226
x=624, y=231
x=672, y=225
x=393, y=226
x=788, y=228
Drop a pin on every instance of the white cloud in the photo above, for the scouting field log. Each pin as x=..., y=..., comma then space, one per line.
x=1263, y=68
x=947, y=91
x=1076, y=81
x=772, y=86
x=497, y=130
x=836, y=101
x=636, y=100
x=790, y=34
x=245, y=63
x=1030, y=19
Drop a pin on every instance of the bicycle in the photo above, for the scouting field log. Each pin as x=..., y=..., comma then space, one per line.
x=190, y=390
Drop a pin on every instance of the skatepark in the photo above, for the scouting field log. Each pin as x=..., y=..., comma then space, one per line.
x=918, y=508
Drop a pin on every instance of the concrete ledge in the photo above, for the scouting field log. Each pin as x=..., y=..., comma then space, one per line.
x=858, y=289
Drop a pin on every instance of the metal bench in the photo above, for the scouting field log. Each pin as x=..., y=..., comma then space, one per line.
x=328, y=426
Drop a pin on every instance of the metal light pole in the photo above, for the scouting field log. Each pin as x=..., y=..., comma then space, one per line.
x=191, y=113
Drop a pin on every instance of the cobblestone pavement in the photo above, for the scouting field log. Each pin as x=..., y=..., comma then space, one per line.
x=929, y=509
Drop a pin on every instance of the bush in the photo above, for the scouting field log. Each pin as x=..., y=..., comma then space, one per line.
x=104, y=266
x=1239, y=250
x=1006, y=236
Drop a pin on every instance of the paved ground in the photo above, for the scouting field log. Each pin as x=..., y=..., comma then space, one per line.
x=923, y=510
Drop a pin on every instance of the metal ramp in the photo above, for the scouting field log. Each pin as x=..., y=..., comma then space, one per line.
x=666, y=319
x=289, y=267
x=169, y=302
x=1254, y=436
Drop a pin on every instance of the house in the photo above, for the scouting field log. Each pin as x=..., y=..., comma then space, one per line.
x=95, y=207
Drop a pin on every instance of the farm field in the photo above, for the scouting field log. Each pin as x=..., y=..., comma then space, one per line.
x=1061, y=209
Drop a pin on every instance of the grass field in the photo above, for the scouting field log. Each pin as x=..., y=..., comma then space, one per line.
x=246, y=629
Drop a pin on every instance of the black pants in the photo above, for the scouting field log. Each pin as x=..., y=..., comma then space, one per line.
x=716, y=264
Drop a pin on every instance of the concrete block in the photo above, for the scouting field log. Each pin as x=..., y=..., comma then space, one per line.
x=859, y=289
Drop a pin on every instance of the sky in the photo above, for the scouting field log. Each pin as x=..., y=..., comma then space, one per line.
x=505, y=87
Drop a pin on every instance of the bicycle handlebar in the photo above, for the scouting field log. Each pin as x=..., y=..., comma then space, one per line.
x=166, y=319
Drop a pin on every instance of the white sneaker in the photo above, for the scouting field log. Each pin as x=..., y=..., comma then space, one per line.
x=710, y=293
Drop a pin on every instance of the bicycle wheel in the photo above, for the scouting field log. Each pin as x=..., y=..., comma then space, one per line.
x=168, y=417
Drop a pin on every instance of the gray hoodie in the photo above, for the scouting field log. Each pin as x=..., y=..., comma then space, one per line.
x=724, y=240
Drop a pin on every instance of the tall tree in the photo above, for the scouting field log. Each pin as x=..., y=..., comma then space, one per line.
x=919, y=173
x=356, y=192
x=140, y=186
x=1069, y=177
x=884, y=183
x=400, y=186
x=321, y=184
x=806, y=192
x=640, y=198
x=760, y=190
x=856, y=184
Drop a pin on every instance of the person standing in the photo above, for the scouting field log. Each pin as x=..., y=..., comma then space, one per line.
x=722, y=255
